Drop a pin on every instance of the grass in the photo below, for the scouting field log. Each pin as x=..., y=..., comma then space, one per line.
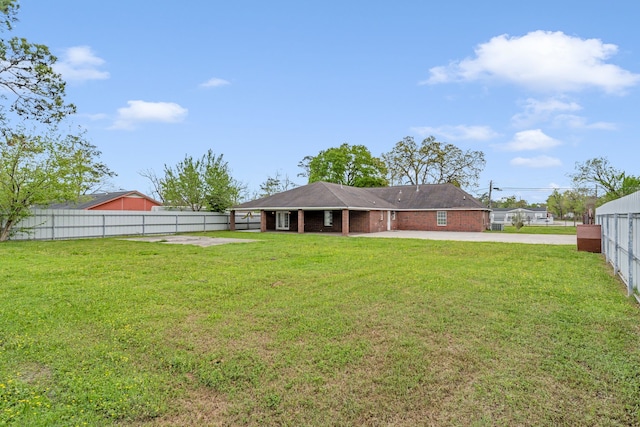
x=539, y=229
x=314, y=330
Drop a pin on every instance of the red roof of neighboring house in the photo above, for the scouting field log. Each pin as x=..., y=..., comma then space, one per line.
x=118, y=200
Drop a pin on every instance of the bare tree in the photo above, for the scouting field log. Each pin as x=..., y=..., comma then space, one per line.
x=433, y=162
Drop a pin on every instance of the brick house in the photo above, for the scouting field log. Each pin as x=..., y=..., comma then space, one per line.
x=114, y=201
x=327, y=207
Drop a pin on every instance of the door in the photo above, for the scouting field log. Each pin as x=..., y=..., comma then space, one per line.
x=282, y=220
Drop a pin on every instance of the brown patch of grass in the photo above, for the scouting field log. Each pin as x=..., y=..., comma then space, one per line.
x=199, y=407
x=35, y=373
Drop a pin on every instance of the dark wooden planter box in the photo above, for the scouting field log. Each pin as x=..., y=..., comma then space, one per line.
x=589, y=238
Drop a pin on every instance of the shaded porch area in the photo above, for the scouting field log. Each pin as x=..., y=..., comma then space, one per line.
x=342, y=221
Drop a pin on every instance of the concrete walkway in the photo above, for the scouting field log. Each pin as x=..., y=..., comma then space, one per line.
x=539, y=239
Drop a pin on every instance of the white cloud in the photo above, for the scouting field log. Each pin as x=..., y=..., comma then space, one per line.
x=528, y=140
x=536, y=162
x=215, y=82
x=143, y=111
x=459, y=132
x=79, y=63
x=536, y=111
x=556, y=111
x=579, y=122
x=542, y=60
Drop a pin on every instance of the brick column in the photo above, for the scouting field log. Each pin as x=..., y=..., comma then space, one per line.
x=345, y=222
x=263, y=221
x=232, y=220
x=300, y=221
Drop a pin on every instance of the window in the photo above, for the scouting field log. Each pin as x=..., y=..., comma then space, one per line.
x=328, y=218
x=393, y=215
x=442, y=218
x=282, y=220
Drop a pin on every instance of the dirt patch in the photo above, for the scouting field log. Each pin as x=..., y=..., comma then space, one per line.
x=201, y=407
x=201, y=241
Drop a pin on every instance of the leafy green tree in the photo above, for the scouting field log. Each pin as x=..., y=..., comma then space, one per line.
x=27, y=76
x=200, y=184
x=352, y=165
x=598, y=172
x=630, y=184
x=575, y=202
x=556, y=204
x=518, y=220
x=510, y=202
x=433, y=162
x=47, y=166
x=39, y=170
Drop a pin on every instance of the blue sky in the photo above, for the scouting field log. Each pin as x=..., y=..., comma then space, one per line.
x=537, y=86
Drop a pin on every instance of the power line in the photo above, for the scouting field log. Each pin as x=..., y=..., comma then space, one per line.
x=503, y=189
x=536, y=188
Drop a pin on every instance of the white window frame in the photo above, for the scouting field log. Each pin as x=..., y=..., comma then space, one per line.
x=441, y=218
x=328, y=218
x=282, y=220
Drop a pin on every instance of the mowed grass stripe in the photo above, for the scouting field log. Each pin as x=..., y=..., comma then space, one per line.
x=314, y=330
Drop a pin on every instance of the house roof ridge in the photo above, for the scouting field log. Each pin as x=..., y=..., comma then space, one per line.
x=364, y=192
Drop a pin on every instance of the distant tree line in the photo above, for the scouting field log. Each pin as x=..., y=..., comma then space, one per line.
x=408, y=163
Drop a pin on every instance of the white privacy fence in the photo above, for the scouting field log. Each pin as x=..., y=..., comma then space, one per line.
x=620, y=221
x=49, y=224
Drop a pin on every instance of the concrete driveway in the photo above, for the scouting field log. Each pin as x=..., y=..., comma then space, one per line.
x=538, y=239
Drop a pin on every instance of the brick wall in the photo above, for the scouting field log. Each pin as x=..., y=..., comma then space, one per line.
x=314, y=222
x=375, y=221
x=378, y=221
x=359, y=222
x=456, y=221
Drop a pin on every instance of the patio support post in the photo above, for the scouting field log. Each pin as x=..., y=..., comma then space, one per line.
x=263, y=221
x=300, y=221
x=232, y=220
x=345, y=222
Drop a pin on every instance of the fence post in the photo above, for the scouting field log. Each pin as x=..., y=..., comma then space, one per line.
x=53, y=226
x=616, y=262
x=606, y=232
x=630, y=285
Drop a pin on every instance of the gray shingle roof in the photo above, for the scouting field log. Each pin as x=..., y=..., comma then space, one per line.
x=324, y=195
x=320, y=195
x=428, y=196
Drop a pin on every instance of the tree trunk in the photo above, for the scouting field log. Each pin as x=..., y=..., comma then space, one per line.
x=6, y=229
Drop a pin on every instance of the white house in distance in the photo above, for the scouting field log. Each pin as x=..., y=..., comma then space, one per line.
x=532, y=216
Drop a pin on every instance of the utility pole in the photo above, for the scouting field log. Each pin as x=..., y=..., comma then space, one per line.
x=491, y=188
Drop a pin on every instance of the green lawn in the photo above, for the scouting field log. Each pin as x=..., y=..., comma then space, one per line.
x=539, y=229
x=314, y=330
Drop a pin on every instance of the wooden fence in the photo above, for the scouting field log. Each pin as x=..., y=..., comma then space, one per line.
x=620, y=221
x=50, y=224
